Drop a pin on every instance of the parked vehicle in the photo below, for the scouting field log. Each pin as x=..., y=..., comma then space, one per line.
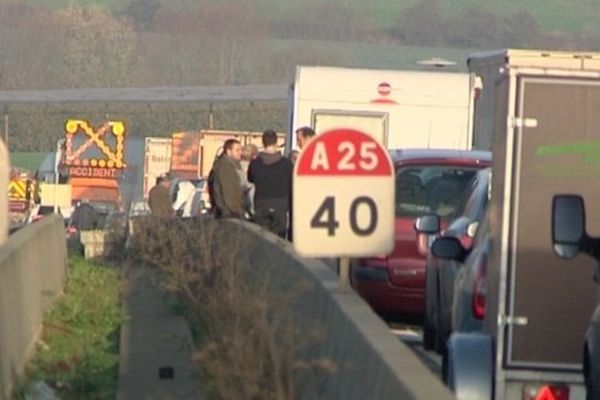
x=157, y=161
x=537, y=306
x=22, y=196
x=92, y=161
x=401, y=109
x=190, y=197
x=469, y=291
x=427, y=181
x=441, y=273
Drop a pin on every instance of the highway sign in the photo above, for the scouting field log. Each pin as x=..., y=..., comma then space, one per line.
x=343, y=200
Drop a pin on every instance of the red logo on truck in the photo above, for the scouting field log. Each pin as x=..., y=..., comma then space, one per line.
x=384, y=89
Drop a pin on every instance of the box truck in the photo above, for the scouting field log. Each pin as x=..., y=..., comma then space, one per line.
x=193, y=153
x=401, y=109
x=538, y=111
x=157, y=161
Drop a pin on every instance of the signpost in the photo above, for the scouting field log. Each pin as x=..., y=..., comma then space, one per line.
x=343, y=200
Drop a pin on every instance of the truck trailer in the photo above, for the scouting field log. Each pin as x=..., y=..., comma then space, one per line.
x=401, y=109
x=538, y=112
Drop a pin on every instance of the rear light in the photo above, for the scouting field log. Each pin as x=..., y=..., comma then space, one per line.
x=479, y=290
x=546, y=392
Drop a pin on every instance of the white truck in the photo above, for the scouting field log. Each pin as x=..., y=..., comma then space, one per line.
x=539, y=112
x=157, y=161
x=401, y=109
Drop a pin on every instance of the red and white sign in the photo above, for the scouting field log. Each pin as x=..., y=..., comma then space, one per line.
x=384, y=89
x=343, y=200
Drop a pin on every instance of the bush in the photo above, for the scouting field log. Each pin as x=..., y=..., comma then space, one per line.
x=250, y=345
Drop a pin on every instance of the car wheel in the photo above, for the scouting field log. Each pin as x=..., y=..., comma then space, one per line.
x=442, y=334
x=429, y=336
x=445, y=364
x=442, y=330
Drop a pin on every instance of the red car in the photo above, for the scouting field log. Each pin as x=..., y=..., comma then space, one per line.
x=427, y=182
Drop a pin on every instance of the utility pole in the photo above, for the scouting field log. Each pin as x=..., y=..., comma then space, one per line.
x=211, y=117
x=6, y=138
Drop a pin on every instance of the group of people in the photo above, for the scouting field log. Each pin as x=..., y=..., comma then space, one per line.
x=256, y=185
x=246, y=184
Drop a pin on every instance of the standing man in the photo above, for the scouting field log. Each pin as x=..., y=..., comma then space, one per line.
x=271, y=174
x=159, y=199
x=303, y=136
x=227, y=187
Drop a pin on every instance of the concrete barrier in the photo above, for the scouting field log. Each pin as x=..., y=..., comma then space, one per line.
x=33, y=265
x=371, y=363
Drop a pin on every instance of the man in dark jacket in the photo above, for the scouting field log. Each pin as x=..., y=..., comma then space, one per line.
x=271, y=174
x=159, y=199
x=226, y=185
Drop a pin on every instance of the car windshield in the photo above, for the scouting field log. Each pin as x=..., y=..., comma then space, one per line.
x=430, y=189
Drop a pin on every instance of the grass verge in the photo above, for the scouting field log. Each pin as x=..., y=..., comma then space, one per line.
x=78, y=353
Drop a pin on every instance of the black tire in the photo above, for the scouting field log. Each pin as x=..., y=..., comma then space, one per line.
x=445, y=376
x=429, y=327
x=429, y=335
x=442, y=334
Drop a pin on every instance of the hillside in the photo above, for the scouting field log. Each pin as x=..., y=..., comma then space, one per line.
x=574, y=16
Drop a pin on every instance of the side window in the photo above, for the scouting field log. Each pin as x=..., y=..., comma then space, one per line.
x=473, y=208
x=481, y=234
x=466, y=199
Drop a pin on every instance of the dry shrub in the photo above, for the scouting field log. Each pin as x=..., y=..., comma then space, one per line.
x=252, y=344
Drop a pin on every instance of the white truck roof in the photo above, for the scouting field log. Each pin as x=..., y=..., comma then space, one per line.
x=354, y=85
x=589, y=61
x=402, y=109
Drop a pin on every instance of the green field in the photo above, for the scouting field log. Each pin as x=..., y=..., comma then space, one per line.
x=27, y=160
x=552, y=15
x=559, y=15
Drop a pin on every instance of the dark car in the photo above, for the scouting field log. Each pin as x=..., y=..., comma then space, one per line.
x=570, y=238
x=441, y=273
x=87, y=216
x=469, y=298
x=427, y=181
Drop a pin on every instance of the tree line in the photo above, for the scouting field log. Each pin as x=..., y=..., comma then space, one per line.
x=211, y=42
x=214, y=42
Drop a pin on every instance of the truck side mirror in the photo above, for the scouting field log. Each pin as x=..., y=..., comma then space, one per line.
x=568, y=225
x=449, y=248
x=428, y=224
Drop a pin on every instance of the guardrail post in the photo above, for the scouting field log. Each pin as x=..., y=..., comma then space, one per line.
x=344, y=273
